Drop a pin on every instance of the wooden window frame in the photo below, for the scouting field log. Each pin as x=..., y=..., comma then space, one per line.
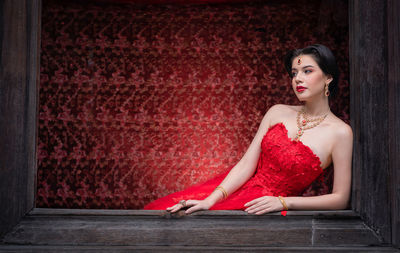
x=374, y=108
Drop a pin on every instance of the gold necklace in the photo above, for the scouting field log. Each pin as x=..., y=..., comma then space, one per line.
x=302, y=125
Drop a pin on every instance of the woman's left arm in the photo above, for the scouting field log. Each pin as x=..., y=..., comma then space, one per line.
x=338, y=199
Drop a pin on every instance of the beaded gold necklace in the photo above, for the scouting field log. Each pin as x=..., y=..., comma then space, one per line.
x=302, y=125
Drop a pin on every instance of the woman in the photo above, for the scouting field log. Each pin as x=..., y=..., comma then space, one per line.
x=289, y=151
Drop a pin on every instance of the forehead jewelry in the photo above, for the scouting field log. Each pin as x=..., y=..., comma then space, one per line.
x=299, y=61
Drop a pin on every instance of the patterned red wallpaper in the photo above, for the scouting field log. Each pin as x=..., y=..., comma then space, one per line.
x=138, y=101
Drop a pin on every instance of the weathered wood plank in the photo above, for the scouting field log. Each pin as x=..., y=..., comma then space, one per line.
x=369, y=107
x=18, y=74
x=125, y=230
x=222, y=213
x=342, y=233
x=123, y=249
x=393, y=20
x=207, y=229
x=32, y=97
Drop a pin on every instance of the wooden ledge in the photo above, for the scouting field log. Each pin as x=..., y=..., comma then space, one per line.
x=72, y=227
x=188, y=249
x=162, y=213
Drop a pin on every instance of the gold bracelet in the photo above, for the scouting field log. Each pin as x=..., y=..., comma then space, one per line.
x=223, y=191
x=283, y=203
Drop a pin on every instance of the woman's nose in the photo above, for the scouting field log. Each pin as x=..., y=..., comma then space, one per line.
x=298, y=78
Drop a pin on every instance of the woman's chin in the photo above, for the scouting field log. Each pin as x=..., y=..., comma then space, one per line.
x=301, y=98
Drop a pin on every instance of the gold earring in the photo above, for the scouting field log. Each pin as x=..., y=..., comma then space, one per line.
x=327, y=92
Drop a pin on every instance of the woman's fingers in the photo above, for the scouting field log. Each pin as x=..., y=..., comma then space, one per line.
x=179, y=206
x=171, y=207
x=191, y=202
x=193, y=209
x=250, y=203
x=195, y=206
x=255, y=204
x=266, y=210
x=263, y=205
x=260, y=208
x=174, y=208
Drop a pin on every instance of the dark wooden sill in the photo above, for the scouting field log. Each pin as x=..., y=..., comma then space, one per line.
x=188, y=249
x=145, y=228
x=162, y=213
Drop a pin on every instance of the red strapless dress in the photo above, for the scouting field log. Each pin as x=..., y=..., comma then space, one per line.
x=285, y=168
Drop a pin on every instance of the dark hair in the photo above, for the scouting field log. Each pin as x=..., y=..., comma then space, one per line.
x=325, y=60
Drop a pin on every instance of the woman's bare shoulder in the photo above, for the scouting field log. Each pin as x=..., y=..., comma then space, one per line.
x=282, y=108
x=341, y=129
x=281, y=113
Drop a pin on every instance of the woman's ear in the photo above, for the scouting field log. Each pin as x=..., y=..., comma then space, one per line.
x=329, y=79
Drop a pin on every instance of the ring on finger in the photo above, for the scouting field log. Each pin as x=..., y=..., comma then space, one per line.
x=183, y=203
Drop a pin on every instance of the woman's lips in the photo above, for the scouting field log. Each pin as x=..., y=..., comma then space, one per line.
x=300, y=88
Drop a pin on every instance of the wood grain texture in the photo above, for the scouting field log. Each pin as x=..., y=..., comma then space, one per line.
x=189, y=249
x=206, y=229
x=33, y=69
x=354, y=104
x=218, y=213
x=12, y=111
x=369, y=107
x=393, y=21
x=124, y=230
x=342, y=233
x=17, y=109
x=375, y=98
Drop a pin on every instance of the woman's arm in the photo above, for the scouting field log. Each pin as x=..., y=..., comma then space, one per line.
x=240, y=173
x=338, y=199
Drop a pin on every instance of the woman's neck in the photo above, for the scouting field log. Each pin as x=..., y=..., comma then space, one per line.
x=317, y=108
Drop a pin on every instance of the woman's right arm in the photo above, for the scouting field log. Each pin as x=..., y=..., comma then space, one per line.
x=240, y=173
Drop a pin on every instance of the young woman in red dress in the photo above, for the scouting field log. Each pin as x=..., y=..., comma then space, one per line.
x=291, y=148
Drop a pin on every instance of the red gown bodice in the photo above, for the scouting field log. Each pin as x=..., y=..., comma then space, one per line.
x=285, y=167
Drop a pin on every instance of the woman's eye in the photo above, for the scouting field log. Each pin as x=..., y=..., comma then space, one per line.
x=307, y=71
x=294, y=74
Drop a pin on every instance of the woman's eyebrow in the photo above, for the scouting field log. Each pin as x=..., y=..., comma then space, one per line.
x=307, y=66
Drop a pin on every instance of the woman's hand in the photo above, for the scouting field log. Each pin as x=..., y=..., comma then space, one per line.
x=263, y=205
x=195, y=205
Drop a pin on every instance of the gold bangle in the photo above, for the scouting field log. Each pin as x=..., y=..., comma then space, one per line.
x=223, y=191
x=283, y=203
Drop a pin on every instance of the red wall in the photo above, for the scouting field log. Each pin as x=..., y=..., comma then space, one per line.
x=138, y=101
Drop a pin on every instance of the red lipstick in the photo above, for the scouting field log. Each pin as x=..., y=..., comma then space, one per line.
x=300, y=88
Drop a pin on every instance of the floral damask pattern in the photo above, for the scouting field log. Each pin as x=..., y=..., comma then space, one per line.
x=139, y=101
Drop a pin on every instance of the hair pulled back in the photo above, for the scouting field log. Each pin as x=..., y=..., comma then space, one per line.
x=325, y=59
